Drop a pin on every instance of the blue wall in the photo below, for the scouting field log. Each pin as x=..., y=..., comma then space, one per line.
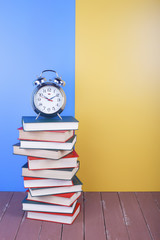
x=34, y=35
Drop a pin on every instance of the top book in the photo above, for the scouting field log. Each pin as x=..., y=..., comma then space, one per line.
x=30, y=123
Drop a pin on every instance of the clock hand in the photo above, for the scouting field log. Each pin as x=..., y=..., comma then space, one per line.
x=53, y=97
x=47, y=98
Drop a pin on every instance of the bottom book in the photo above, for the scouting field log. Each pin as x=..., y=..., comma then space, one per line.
x=65, y=218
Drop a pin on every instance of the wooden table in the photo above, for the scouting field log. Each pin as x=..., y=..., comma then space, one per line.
x=104, y=216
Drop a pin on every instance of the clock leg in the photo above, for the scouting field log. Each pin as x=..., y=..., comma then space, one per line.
x=59, y=116
x=38, y=116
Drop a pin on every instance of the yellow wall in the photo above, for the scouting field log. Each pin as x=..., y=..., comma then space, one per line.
x=117, y=94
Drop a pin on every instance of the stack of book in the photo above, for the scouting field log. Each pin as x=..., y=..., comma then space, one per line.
x=50, y=172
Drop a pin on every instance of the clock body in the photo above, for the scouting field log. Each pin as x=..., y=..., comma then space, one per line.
x=48, y=99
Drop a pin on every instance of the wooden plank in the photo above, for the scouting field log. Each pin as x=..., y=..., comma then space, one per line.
x=134, y=219
x=93, y=217
x=5, y=198
x=11, y=220
x=115, y=224
x=40, y=230
x=50, y=231
x=156, y=197
x=151, y=213
x=29, y=229
x=75, y=231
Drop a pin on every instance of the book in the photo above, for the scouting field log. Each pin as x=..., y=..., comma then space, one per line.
x=68, y=161
x=65, y=199
x=30, y=182
x=30, y=123
x=42, y=153
x=77, y=187
x=52, y=136
x=61, y=173
x=28, y=205
x=68, y=145
x=55, y=217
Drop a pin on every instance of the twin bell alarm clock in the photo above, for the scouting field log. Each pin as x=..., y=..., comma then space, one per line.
x=48, y=98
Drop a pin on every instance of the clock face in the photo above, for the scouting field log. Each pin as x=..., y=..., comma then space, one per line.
x=49, y=100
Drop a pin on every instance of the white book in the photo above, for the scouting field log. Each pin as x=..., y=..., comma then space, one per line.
x=68, y=145
x=62, y=173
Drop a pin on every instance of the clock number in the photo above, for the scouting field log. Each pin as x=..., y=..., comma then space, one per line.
x=44, y=90
x=48, y=109
x=57, y=95
x=41, y=94
x=49, y=89
x=40, y=104
x=44, y=107
x=39, y=99
x=58, y=99
x=53, y=108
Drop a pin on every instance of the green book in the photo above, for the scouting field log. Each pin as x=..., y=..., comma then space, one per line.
x=76, y=187
x=30, y=123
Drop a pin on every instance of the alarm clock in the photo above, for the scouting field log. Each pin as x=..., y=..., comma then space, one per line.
x=48, y=98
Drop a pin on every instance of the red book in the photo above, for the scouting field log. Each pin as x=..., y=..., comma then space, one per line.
x=65, y=199
x=68, y=161
x=51, y=136
x=60, y=173
x=65, y=218
x=30, y=182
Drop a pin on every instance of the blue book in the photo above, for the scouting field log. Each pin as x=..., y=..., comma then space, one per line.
x=30, y=123
x=28, y=205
